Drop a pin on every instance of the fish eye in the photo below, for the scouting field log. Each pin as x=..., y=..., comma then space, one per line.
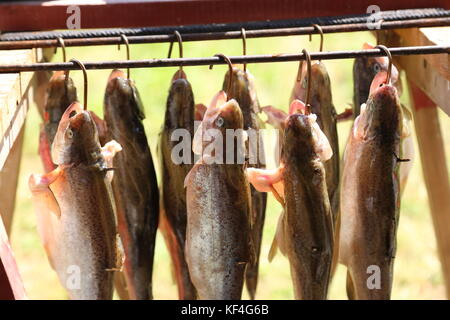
x=376, y=67
x=219, y=122
x=69, y=133
x=72, y=114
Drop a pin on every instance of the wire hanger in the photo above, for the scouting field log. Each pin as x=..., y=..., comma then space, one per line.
x=230, y=71
x=244, y=46
x=81, y=65
x=320, y=31
x=388, y=54
x=308, y=69
x=63, y=47
x=180, y=47
x=127, y=44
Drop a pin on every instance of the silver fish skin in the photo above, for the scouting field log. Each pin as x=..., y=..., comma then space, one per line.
x=322, y=106
x=307, y=220
x=218, y=234
x=244, y=92
x=370, y=197
x=76, y=218
x=180, y=115
x=134, y=183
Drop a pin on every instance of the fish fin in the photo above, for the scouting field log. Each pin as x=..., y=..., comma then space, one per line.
x=45, y=151
x=265, y=180
x=109, y=151
x=273, y=249
x=121, y=286
x=275, y=117
x=406, y=122
x=350, y=287
x=278, y=239
x=42, y=194
x=347, y=114
x=219, y=99
x=47, y=209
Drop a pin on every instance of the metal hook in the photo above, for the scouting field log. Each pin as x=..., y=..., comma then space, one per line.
x=244, y=46
x=81, y=65
x=308, y=69
x=63, y=47
x=319, y=29
x=127, y=44
x=388, y=54
x=230, y=69
x=180, y=46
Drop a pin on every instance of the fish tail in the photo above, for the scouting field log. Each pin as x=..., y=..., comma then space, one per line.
x=180, y=272
x=251, y=279
x=121, y=286
x=350, y=287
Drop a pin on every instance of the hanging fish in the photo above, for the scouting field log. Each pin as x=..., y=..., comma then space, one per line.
x=134, y=183
x=179, y=117
x=243, y=91
x=370, y=198
x=305, y=229
x=61, y=92
x=322, y=106
x=218, y=238
x=74, y=209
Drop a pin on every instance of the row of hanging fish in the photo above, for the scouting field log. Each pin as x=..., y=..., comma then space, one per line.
x=99, y=206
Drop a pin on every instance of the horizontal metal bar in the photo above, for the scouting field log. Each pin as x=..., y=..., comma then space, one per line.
x=152, y=63
x=53, y=15
x=353, y=27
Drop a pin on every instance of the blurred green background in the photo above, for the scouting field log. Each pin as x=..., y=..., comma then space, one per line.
x=417, y=268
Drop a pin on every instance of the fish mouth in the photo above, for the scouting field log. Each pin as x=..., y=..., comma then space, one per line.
x=78, y=120
x=73, y=109
x=117, y=81
x=231, y=113
x=299, y=121
x=116, y=73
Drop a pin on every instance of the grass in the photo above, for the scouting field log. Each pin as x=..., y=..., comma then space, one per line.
x=417, y=268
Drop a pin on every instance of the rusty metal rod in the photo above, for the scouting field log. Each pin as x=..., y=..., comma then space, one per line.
x=353, y=27
x=152, y=63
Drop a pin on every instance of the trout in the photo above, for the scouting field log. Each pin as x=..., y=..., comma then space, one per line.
x=305, y=229
x=322, y=106
x=243, y=91
x=134, y=183
x=179, y=117
x=218, y=238
x=61, y=92
x=370, y=194
x=76, y=218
